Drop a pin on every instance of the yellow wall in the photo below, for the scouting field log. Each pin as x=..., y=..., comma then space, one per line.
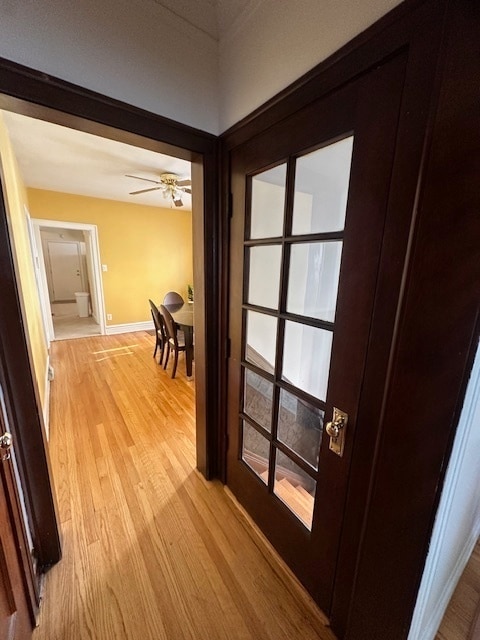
x=148, y=250
x=16, y=200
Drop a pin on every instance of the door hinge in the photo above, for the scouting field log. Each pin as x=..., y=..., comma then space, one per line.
x=229, y=347
x=230, y=205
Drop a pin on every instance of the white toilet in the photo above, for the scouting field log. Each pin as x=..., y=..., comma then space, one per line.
x=83, y=303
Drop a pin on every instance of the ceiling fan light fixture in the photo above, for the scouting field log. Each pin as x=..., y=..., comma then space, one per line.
x=174, y=195
x=171, y=187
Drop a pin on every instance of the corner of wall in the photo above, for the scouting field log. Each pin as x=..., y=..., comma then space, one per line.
x=457, y=524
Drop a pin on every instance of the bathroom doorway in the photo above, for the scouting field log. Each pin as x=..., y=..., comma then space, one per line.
x=68, y=263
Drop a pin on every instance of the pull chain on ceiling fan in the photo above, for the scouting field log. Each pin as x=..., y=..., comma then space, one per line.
x=172, y=188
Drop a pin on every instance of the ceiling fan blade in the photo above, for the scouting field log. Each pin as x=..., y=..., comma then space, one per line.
x=184, y=183
x=186, y=190
x=127, y=175
x=134, y=193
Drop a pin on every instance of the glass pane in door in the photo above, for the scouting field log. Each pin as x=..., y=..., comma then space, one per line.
x=300, y=426
x=313, y=279
x=264, y=275
x=295, y=488
x=268, y=203
x=257, y=399
x=306, y=358
x=321, y=188
x=255, y=451
x=261, y=340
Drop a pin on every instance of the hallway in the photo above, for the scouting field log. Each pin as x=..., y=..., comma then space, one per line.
x=151, y=550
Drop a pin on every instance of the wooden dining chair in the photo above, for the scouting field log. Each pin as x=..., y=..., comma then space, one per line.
x=175, y=338
x=172, y=297
x=160, y=333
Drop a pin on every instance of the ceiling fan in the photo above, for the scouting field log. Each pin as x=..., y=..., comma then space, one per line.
x=172, y=188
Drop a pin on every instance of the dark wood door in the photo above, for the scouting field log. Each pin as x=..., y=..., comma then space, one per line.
x=309, y=200
x=16, y=621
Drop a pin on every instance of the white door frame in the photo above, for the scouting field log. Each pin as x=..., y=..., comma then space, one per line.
x=92, y=247
x=40, y=277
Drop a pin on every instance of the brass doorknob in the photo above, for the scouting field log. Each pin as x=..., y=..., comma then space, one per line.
x=6, y=441
x=333, y=428
x=336, y=429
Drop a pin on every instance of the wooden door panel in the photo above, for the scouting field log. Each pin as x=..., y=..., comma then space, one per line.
x=18, y=597
x=8, y=607
x=15, y=622
x=367, y=108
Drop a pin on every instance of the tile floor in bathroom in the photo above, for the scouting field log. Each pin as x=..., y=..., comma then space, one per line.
x=67, y=327
x=67, y=324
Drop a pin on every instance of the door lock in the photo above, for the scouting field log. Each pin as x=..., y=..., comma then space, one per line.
x=336, y=430
x=5, y=445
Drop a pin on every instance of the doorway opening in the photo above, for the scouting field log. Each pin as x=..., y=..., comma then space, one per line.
x=66, y=253
x=195, y=148
x=69, y=279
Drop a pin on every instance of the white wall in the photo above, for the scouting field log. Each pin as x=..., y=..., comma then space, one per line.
x=275, y=41
x=146, y=54
x=133, y=50
x=457, y=524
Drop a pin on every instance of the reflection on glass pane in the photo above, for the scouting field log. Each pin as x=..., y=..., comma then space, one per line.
x=295, y=488
x=306, y=358
x=300, y=427
x=264, y=276
x=268, y=203
x=261, y=339
x=257, y=399
x=321, y=188
x=313, y=279
x=255, y=451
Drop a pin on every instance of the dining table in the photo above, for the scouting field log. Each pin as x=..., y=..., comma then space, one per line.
x=183, y=317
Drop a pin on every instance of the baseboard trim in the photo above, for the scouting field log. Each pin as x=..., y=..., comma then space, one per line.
x=46, y=399
x=113, y=329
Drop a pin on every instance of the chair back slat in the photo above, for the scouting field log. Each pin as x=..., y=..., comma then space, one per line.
x=170, y=327
x=155, y=314
x=157, y=319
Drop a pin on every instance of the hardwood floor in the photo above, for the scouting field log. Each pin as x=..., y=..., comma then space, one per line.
x=462, y=618
x=151, y=550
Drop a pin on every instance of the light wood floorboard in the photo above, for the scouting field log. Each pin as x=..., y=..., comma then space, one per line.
x=461, y=616
x=151, y=550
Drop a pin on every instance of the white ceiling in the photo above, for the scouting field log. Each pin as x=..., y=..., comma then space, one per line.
x=239, y=44
x=230, y=12
x=57, y=158
x=214, y=17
